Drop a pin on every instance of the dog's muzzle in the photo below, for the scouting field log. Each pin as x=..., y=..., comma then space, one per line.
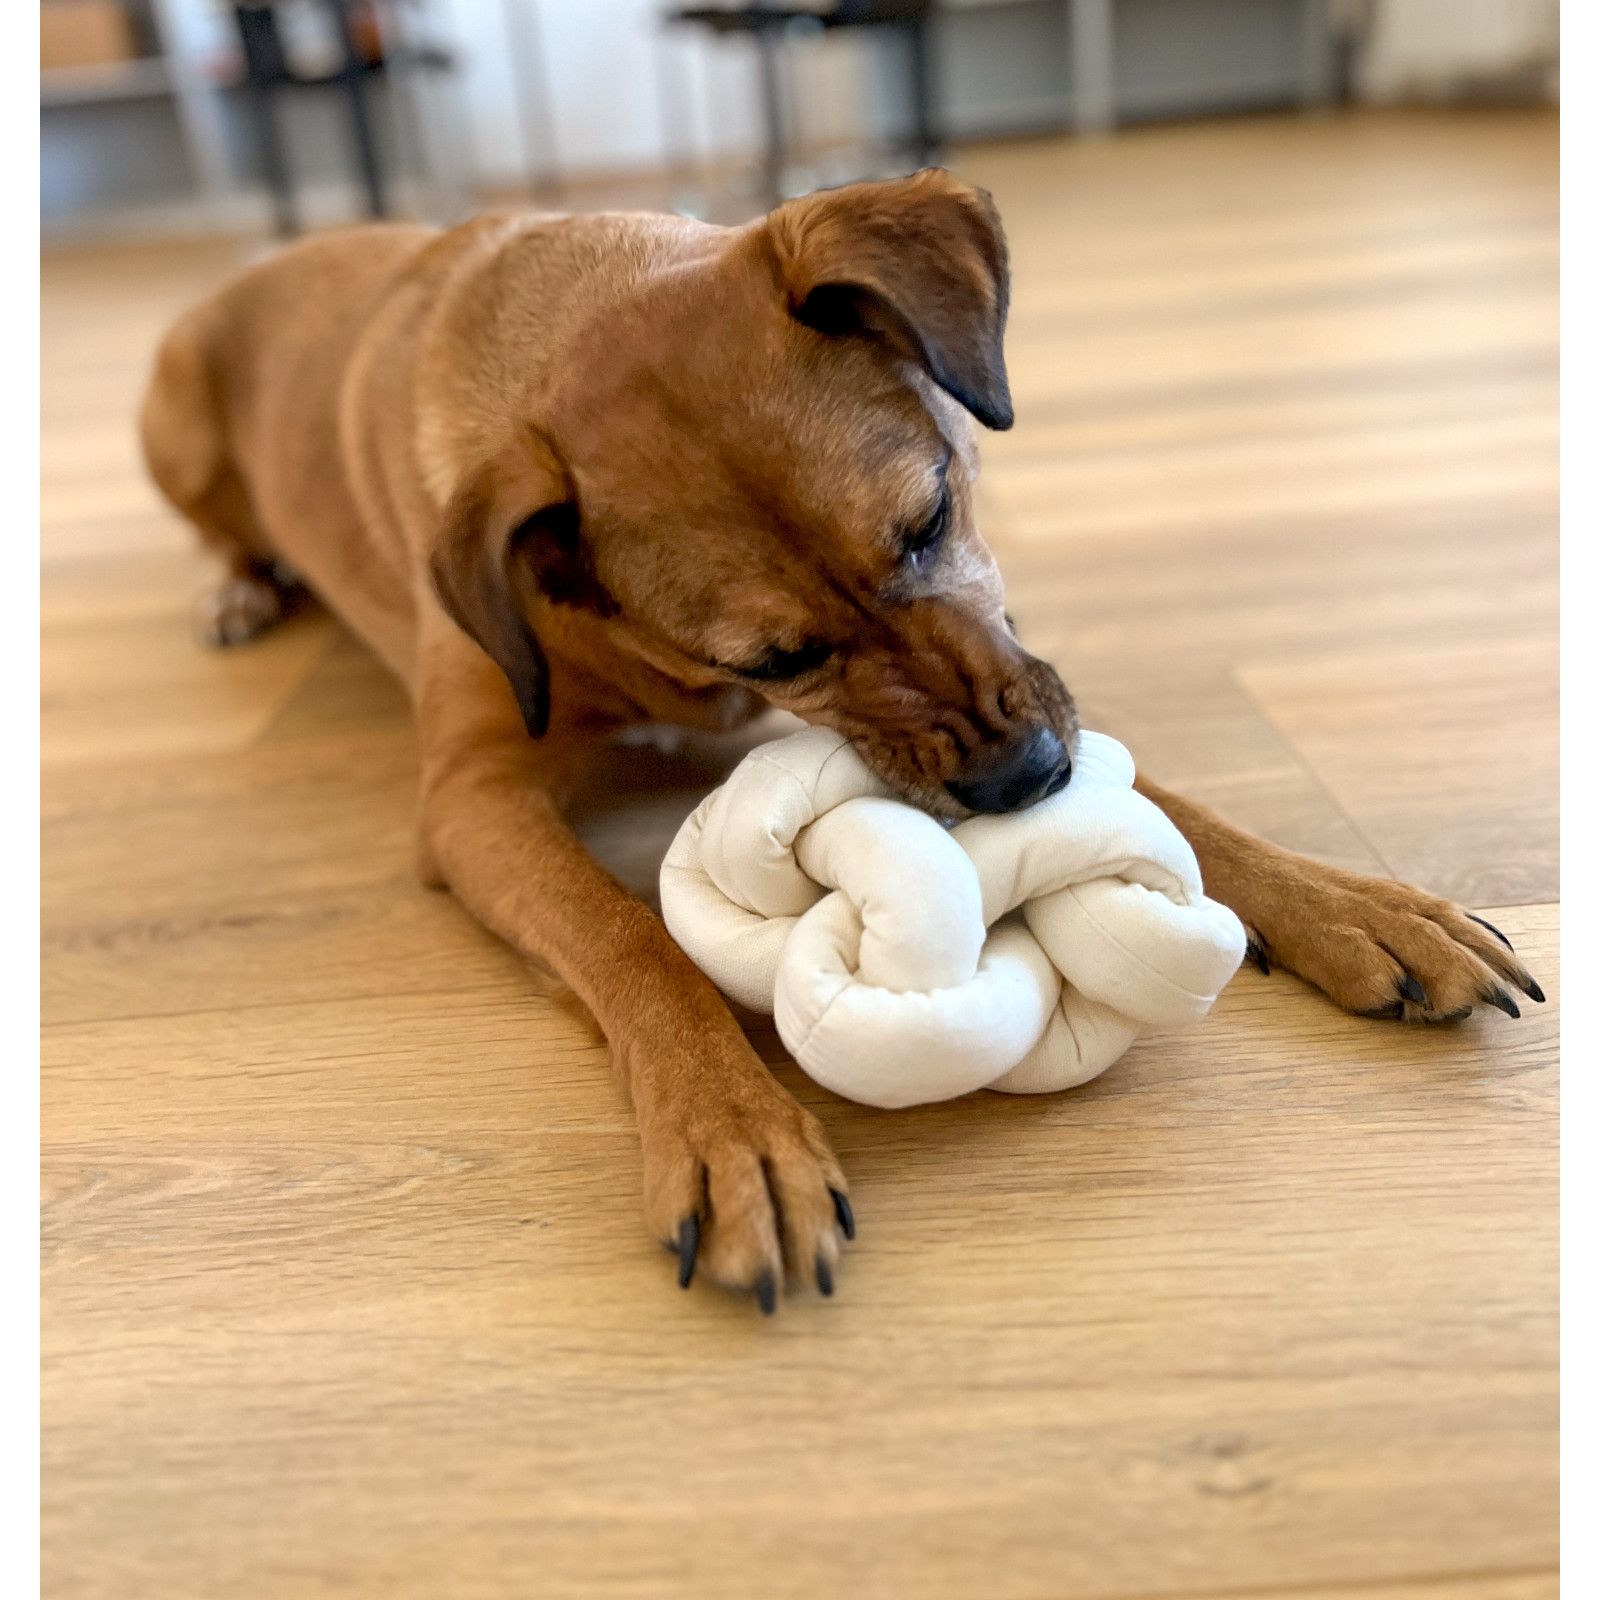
x=1032, y=766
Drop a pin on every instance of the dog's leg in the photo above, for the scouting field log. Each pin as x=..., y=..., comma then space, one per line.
x=1374, y=946
x=244, y=605
x=737, y=1175
x=186, y=449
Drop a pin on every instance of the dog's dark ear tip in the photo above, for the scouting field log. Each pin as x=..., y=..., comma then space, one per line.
x=533, y=701
x=992, y=408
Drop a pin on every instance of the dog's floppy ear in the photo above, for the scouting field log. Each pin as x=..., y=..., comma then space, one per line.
x=511, y=535
x=920, y=261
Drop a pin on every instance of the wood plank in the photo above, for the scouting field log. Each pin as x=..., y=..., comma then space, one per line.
x=372, y=1266
x=1223, y=590
x=142, y=686
x=1469, y=726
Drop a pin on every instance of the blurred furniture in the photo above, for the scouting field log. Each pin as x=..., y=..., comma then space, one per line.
x=84, y=33
x=1094, y=64
x=118, y=135
x=219, y=105
x=268, y=71
x=981, y=68
x=768, y=26
x=171, y=137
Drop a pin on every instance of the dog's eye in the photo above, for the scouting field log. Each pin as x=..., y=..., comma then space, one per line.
x=776, y=665
x=921, y=549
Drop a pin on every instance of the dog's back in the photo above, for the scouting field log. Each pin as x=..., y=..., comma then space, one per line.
x=240, y=424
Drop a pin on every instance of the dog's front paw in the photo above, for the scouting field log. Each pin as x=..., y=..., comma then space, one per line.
x=739, y=1180
x=1384, y=949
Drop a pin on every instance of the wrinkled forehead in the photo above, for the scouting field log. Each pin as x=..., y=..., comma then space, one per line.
x=729, y=409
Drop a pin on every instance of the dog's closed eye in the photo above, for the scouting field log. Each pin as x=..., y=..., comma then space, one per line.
x=777, y=664
x=919, y=548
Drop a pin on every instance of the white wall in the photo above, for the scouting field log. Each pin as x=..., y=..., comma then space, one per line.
x=1433, y=47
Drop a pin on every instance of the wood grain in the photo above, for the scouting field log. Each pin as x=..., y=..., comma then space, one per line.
x=345, y=1287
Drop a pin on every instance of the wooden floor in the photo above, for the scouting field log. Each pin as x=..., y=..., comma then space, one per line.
x=346, y=1287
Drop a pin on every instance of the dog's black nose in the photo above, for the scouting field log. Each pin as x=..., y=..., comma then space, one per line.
x=1027, y=770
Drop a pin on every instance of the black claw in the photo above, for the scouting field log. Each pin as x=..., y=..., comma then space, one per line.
x=1492, y=929
x=1503, y=1001
x=841, y=1209
x=1258, y=954
x=824, y=1276
x=1396, y=1008
x=1532, y=990
x=1413, y=991
x=688, y=1248
x=767, y=1293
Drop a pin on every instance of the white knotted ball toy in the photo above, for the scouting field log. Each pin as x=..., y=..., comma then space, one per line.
x=905, y=962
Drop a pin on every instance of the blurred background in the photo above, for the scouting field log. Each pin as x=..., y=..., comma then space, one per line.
x=190, y=114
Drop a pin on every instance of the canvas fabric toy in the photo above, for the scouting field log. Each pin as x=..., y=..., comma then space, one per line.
x=907, y=962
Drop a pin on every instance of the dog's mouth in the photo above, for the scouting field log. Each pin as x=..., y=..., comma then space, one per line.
x=1000, y=743
x=1034, y=764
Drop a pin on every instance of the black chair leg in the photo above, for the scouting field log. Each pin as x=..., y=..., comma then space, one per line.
x=925, y=119
x=269, y=134
x=264, y=66
x=360, y=113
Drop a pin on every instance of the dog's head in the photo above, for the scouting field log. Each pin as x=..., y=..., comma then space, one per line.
x=757, y=469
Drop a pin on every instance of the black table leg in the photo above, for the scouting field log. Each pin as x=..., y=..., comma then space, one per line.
x=360, y=112
x=264, y=68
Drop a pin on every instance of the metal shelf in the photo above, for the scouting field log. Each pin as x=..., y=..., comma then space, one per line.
x=145, y=79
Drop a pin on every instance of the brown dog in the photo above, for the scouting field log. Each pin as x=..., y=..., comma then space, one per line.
x=565, y=474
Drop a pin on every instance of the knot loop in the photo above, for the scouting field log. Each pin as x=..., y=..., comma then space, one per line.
x=905, y=962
